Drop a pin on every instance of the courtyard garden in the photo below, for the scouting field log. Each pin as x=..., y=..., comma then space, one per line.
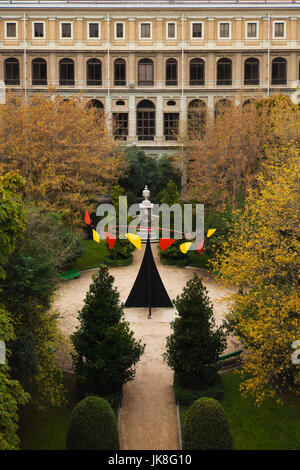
x=78, y=370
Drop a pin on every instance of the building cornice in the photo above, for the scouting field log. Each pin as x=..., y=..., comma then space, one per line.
x=134, y=5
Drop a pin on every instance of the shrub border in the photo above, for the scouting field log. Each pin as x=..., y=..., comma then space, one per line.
x=181, y=263
x=114, y=263
x=184, y=396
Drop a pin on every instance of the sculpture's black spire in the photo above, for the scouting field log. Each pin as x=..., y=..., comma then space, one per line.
x=148, y=289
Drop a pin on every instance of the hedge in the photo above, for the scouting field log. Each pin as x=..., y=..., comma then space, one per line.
x=186, y=396
x=93, y=426
x=206, y=427
x=174, y=262
x=118, y=262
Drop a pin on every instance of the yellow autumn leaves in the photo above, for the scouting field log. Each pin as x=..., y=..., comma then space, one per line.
x=262, y=254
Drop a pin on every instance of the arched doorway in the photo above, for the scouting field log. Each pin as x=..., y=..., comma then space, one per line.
x=196, y=117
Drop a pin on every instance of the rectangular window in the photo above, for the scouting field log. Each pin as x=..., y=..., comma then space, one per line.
x=120, y=126
x=145, y=31
x=279, y=29
x=38, y=30
x=119, y=30
x=171, y=31
x=11, y=30
x=251, y=30
x=224, y=30
x=197, y=30
x=66, y=30
x=93, y=29
x=145, y=73
x=171, y=121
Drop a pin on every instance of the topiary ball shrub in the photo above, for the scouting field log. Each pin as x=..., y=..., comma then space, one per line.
x=206, y=427
x=93, y=426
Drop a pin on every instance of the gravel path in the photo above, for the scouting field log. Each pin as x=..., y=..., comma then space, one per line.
x=148, y=415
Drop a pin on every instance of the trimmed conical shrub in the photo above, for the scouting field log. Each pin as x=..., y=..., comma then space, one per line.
x=93, y=426
x=194, y=346
x=105, y=350
x=206, y=427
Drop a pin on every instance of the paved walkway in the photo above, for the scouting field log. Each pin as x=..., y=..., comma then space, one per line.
x=148, y=415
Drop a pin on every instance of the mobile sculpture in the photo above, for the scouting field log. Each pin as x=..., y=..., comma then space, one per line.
x=148, y=289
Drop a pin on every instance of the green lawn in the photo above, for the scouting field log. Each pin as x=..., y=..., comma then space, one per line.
x=47, y=430
x=93, y=255
x=268, y=427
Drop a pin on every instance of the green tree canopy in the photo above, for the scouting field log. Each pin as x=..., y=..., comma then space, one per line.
x=142, y=170
x=11, y=229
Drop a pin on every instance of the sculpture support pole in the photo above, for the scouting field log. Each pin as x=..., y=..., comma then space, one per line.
x=149, y=280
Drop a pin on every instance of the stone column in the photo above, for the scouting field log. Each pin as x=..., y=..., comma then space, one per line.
x=80, y=71
x=131, y=119
x=53, y=70
x=159, y=119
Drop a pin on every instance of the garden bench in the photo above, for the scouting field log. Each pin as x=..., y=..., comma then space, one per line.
x=68, y=275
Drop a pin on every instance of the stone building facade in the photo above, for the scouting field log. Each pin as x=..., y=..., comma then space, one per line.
x=149, y=63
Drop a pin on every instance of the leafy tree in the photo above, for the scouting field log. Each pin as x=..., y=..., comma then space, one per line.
x=11, y=215
x=11, y=229
x=93, y=426
x=195, y=344
x=11, y=392
x=142, y=170
x=105, y=349
x=49, y=235
x=122, y=248
x=223, y=164
x=170, y=194
x=262, y=255
x=62, y=148
x=27, y=291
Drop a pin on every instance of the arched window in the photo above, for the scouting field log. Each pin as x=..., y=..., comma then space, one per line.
x=39, y=72
x=224, y=72
x=11, y=71
x=197, y=72
x=279, y=71
x=251, y=71
x=221, y=107
x=196, y=117
x=96, y=104
x=145, y=120
x=145, y=72
x=66, y=72
x=171, y=72
x=248, y=103
x=94, y=72
x=120, y=72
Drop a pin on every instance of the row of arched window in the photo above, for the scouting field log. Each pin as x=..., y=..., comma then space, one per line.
x=145, y=72
x=146, y=118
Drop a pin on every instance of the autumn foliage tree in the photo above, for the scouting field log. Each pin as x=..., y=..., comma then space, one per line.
x=262, y=255
x=225, y=156
x=61, y=147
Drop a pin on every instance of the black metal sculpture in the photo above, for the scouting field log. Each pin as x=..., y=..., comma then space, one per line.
x=148, y=289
